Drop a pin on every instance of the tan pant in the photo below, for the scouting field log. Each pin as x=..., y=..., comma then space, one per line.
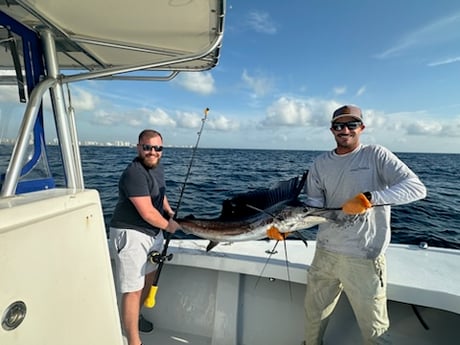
x=364, y=282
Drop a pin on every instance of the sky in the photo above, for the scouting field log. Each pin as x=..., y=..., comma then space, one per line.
x=285, y=66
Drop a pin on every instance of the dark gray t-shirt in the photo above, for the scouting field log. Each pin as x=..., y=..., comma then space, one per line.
x=137, y=180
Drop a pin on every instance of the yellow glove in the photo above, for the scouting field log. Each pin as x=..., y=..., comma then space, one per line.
x=356, y=205
x=274, y=234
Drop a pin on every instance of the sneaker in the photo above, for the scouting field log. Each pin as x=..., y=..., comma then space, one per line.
x=145, y=325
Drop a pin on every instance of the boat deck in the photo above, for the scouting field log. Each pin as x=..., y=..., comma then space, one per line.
x=230, y=297
x=405, y=329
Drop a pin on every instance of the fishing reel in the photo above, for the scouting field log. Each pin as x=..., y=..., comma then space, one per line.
x=156, y=257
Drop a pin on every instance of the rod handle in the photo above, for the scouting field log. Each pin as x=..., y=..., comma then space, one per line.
x=150, y=300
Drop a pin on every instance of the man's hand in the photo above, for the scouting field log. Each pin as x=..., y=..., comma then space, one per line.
x=356, y=205
x=274, y=234
x=172, y=226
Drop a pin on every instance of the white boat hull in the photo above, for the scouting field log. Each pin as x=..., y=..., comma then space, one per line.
x=54, y=258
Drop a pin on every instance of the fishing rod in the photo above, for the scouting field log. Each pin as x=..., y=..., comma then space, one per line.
x=203, y=120
x=156, y=257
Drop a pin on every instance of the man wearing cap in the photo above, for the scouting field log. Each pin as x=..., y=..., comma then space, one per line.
x=351, y=258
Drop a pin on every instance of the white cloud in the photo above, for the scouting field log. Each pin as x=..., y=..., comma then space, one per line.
x=188, y=120
x=361, y=91
x=288, y=111
x=260, y=85
x=82, y=99
x=444, y=62
x=194, y=120
x=438, y=32
x=105, y=118
x=261, y=22
x=158, y=117
x=222, y=123
x=140, y=117
x=198, y=82
x=452, y=129
x=424, y=128
x=408, y=125
x=9, y=93
x=340, y=90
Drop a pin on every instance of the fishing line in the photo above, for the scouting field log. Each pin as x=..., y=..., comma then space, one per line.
x=203, y=120
x=270, y=252
x=160, y=259
x=287, y=269
x=306, y=214
x=263, y=211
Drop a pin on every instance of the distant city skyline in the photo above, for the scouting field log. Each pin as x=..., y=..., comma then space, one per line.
x=117, y=143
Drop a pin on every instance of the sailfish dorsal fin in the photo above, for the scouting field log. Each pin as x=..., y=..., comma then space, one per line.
x=262, y=199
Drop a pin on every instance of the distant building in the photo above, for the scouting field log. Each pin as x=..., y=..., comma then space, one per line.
x=55, y=141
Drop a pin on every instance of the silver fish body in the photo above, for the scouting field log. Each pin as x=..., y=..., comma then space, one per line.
x=248, y=216
x=285, y=220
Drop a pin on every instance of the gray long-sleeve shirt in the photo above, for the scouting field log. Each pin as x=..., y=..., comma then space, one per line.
x=333, y=179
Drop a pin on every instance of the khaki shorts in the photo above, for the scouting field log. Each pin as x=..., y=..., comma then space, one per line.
x=131, y=249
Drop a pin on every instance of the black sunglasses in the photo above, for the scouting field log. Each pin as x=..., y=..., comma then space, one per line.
x=156, y=148
x=338, y=126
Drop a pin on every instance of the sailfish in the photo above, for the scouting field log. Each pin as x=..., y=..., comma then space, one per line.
x=263, y=213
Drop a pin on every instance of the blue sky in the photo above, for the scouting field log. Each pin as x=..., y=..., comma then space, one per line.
x=286, y=65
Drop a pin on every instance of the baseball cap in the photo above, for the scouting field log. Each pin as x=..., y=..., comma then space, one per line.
x=348, y=110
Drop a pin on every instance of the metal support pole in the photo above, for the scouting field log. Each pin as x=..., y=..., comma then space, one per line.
x=73, y=173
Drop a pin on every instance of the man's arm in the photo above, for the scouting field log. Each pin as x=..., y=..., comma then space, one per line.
x=167, y=207
x=150, y=214
x=408, y=190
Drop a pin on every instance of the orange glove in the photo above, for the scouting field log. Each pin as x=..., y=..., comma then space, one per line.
x=274, y=234
x=356, y=205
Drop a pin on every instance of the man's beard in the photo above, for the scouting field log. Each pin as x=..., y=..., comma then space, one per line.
x=148, y=163
x=351, y=142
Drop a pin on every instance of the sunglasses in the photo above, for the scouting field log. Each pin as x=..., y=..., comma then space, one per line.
x=338, y=126
x=156, y=148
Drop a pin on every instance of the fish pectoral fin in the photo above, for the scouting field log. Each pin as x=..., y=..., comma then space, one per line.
x=211, y=245
x=274, y=234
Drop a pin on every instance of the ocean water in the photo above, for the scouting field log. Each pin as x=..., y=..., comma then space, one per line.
x=218, y=174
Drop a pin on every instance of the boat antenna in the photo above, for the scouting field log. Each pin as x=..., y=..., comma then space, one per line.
x=156, y=257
